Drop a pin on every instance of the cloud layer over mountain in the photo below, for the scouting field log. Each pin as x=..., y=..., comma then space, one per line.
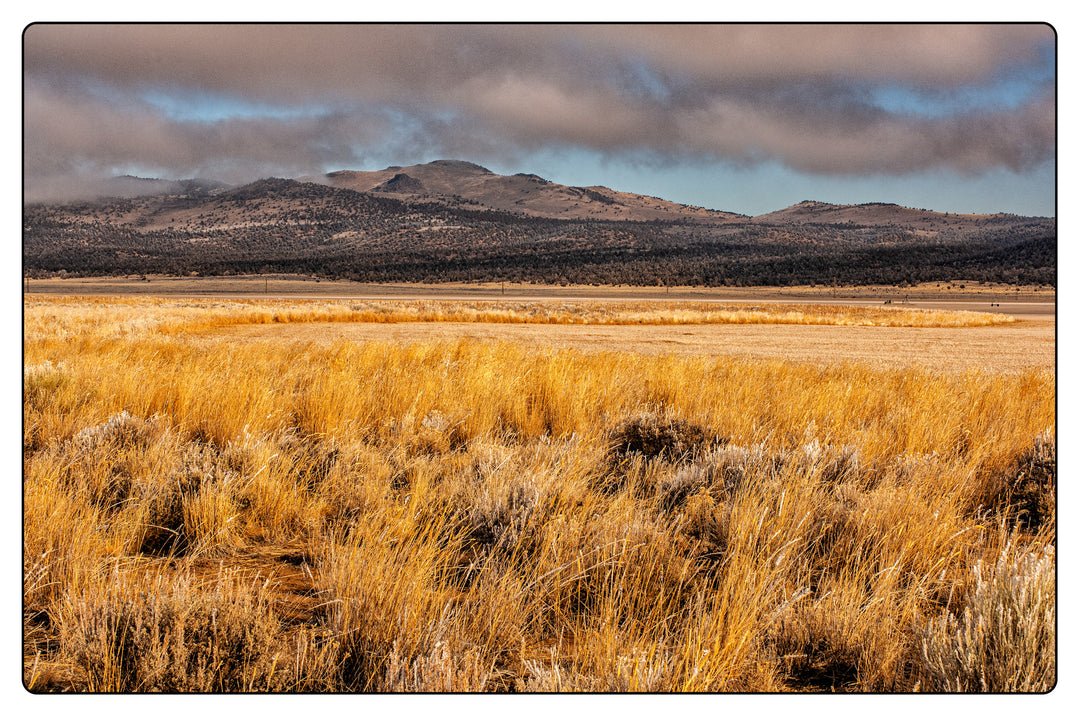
x=244, y=101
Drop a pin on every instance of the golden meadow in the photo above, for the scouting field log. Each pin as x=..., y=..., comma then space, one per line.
x=207, y=514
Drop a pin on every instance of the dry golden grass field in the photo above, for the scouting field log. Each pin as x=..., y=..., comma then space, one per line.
x=536, y=494
x=1013, y=348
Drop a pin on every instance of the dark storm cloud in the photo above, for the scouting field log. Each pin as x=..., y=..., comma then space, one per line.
x=798, y=95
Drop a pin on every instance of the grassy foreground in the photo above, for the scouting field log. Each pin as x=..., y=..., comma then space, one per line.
x=202, y=515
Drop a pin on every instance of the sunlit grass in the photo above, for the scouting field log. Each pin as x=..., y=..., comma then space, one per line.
x=201, y=514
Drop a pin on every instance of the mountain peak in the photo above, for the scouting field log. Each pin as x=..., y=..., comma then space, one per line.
x=459, y=164
x=400, y=183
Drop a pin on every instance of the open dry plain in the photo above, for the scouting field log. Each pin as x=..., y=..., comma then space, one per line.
x=1020, y=346
x=1027, y=343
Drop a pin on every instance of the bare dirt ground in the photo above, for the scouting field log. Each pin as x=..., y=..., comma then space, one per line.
x=1026, y=344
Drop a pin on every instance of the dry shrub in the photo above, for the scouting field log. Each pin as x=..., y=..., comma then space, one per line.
x=720, y=470
x=438, y=434
x=642, y=449
x=499, y=515
x=159, y=494
x=820, y=649
x=549, y=676
x=1030, y=496
x=832, y=464
x=105, y=462
x=119, y=432
x=706, y=522
x=654, y=435
x=1005, y=639
x=191, y=511
x=174, y=635
x=361, y=482
x=441, y=670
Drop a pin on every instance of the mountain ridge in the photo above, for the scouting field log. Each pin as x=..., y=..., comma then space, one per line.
x=460, y=181
x=455, y=182
x=281, y=225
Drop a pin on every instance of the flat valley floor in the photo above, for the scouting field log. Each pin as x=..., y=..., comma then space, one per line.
x=1029, y=343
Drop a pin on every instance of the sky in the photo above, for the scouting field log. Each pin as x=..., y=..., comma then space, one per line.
x=748, y=118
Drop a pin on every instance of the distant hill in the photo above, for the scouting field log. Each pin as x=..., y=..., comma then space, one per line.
x=129, y=186
x=873, y=214
x=457, y=221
